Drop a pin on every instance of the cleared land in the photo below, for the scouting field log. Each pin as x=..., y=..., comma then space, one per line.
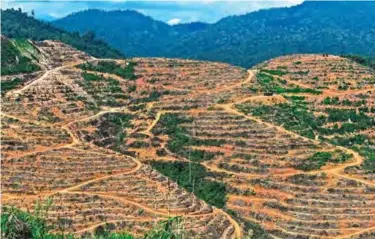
x=284, y=150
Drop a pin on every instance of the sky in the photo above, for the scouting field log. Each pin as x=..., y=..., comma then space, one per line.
x=172, y=12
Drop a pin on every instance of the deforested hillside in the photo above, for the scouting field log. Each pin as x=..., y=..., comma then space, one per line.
x=23, y=61
x=312, y=27
x=282, y=150
x=68, y=135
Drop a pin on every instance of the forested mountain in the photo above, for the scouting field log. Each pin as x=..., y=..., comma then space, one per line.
x=12, y=59
x=128, y=31
x=190, y=27
x=16, y=24
x=312, y=27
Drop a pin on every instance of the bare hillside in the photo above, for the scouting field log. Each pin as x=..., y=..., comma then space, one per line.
x=283, y=150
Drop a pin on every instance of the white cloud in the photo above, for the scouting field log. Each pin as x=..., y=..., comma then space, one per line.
x=174, y=21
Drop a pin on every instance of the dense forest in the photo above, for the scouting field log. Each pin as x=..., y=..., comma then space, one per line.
x=137, y=34
x=12, y=60
x=16, y=24
x=311, y=27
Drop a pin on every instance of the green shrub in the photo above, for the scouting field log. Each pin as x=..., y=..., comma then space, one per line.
x=315, y=161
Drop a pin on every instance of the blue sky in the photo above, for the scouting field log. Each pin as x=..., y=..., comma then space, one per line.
x=168, y=11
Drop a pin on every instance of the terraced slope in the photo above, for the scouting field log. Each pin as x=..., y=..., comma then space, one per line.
x=65, y=134
x=284, y=150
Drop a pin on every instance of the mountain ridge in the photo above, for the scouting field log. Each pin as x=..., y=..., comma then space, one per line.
x=17, y=24
x=244, y=40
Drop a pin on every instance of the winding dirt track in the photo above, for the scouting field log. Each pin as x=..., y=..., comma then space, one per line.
x=47, y=73
x=337, y=170
x=75, y=141
x=75, y=188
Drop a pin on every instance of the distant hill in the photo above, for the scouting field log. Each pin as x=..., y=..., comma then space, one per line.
x=190, y=27
x=126, y=30
x=16, y=24
x=312, y=27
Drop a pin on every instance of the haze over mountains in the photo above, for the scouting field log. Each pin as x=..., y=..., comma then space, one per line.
x=245, y=40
